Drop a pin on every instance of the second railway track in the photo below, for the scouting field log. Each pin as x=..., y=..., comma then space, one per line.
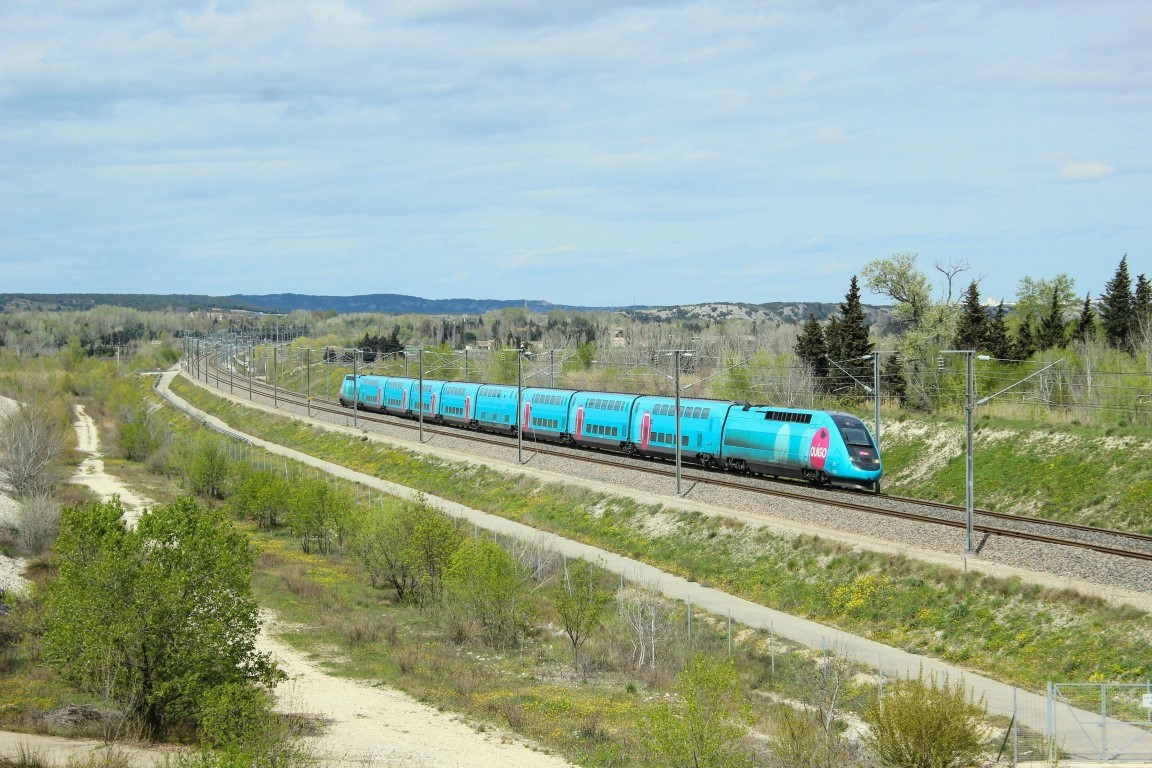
x=987, y=524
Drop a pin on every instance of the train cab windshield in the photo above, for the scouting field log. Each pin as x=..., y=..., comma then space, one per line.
x=858, y=441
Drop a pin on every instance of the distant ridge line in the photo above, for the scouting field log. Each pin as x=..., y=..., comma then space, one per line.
x=399, y=304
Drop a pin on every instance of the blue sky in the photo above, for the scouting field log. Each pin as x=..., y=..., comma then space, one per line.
x=578, y=151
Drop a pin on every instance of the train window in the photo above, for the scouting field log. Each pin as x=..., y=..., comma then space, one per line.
x=695, y=413
x=684, y=440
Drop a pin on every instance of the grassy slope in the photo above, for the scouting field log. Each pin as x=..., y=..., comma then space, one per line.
x=1079, y=474
x=1004, y=629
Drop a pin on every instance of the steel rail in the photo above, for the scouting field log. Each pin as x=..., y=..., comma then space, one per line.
x=827, y=497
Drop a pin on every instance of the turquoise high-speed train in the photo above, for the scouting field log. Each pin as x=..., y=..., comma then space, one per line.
x=822, y=447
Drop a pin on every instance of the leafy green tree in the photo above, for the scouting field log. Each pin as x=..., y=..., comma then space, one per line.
x=205, y=466
x=378, y=541
x=142, y=432
x=1034, y=296
x=580, y=601
x=408, y=548
x=433, y=539
x=491, y=589
x=899, y=279
x=927, y=724
x=1085, y=328
x=706, y=725
x=160, y=615
x=928, y=326
x=318, y=513
x=1116, y=308
x=736, y=383
x=260, y=494
x=239, y=729
x=812, y=348
x=972, y=325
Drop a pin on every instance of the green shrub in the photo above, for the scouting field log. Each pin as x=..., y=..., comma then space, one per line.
x=927, y=724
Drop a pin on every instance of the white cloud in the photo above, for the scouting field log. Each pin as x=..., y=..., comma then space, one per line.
x=1085, y=172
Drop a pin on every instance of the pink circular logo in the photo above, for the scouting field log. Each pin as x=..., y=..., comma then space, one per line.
x=818, y=452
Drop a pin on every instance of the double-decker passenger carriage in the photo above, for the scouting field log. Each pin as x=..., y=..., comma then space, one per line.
x=822, y=447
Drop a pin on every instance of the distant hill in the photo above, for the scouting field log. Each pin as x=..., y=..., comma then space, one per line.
x=147, y=302
x=397, y=304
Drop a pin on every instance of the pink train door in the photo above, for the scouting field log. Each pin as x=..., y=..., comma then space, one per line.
x=818, y=452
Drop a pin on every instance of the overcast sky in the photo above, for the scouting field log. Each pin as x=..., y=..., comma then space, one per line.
x=578, y=151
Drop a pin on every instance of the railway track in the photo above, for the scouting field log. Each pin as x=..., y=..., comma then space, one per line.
x=986, y=523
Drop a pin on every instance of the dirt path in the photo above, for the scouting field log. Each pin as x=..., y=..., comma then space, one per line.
x=368, y=725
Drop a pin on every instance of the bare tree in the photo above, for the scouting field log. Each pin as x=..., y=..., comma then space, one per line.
x=649, y=622
x=31, y=441
x=809, y=733
x=38, y=522
x=950, y=270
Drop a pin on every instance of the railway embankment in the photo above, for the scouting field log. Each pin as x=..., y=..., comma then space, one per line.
x=665, y=516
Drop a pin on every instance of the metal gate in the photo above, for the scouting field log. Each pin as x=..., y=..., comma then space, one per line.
x=1100, y=721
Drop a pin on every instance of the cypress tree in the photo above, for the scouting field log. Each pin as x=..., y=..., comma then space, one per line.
x=812, y=348
x=1142, y=307
x=1116, y=308
x=1085, y=329
x=973, y=322
x=852, y=330
x=834, y=378
x=1052, y=328
x=996, y=339
x=1024, y=345
x=894, y=384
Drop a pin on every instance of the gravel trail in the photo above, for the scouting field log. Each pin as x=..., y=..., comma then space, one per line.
x=367, y=725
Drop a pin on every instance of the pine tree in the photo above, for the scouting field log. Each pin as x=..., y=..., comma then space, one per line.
x=812, y=348
x=970, y=328
x=996, y=339
x=834, y=377
x=1052, y=328
x=1116, y=308
x=1024, y=345
x=1142, y=307
x=894, y=383
x=853, y=344
x=1085, y=329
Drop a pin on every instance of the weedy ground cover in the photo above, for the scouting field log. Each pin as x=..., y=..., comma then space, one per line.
x=1005, y=629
